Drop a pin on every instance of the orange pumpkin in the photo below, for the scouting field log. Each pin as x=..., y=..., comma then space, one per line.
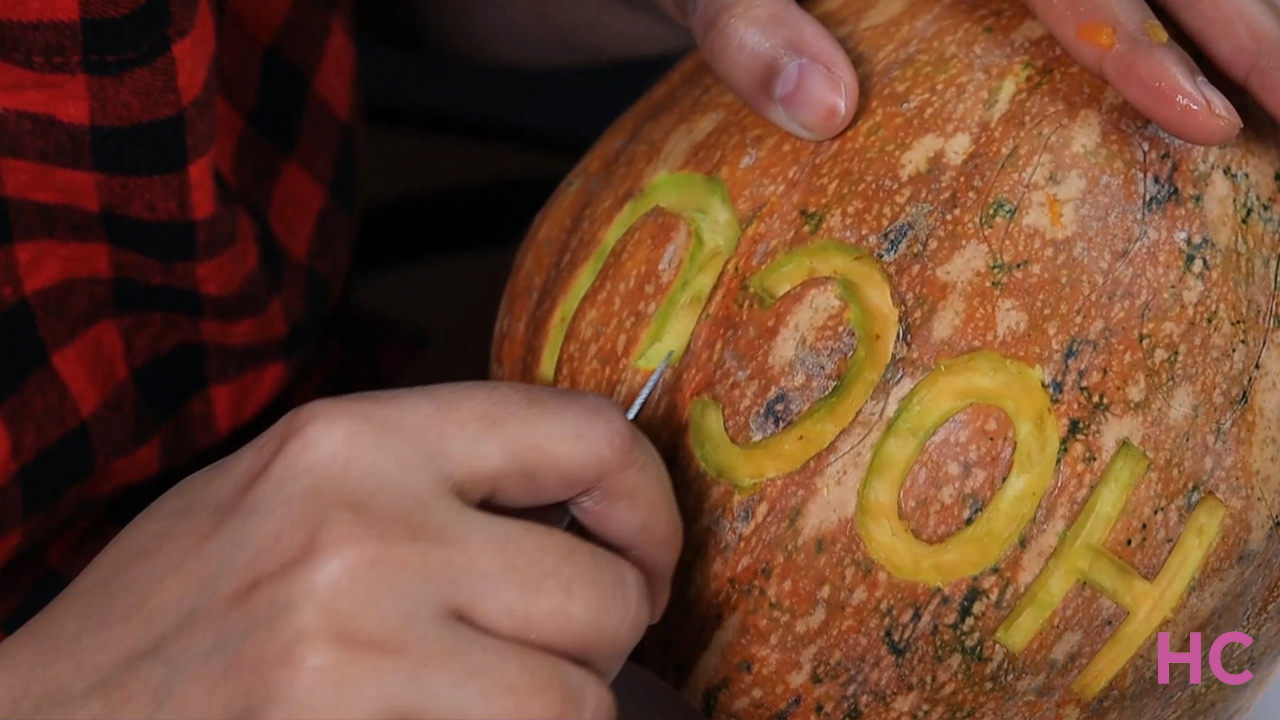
x=968, y=405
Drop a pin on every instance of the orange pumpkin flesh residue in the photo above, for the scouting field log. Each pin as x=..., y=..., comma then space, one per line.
x=1096, y=33
x=1055, y=210
x=1156, y=32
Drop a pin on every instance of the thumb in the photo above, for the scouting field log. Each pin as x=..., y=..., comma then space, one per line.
x=780, y=60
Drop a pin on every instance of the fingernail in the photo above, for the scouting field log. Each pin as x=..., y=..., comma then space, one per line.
x=1219, y=103
x=811, y=99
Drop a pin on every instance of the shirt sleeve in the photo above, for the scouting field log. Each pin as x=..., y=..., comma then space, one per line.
x=176, y=202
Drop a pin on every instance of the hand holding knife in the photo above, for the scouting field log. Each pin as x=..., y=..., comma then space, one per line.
x=640, y=693
x=632, y=413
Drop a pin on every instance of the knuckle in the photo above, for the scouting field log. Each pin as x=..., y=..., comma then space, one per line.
x=630, y=602
x=318, y=434
x=339, y=547
x=302, y=666
x=311, y=582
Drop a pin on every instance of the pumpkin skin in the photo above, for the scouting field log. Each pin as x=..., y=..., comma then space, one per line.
x=1077, y=302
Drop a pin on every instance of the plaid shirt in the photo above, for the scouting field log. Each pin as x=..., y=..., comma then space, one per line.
x=176, y=200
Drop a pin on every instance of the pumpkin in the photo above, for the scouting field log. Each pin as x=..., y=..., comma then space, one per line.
x=971, y=407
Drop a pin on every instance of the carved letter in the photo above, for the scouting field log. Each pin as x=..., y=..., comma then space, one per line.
x=869, y=312
x=1082, y=557
x=982, y=377
x=702, y=202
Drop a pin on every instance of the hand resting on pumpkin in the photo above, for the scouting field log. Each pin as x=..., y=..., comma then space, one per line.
x=786, y=66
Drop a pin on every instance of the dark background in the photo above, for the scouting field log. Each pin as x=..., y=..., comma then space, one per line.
x=458, y=159
x=532, y=123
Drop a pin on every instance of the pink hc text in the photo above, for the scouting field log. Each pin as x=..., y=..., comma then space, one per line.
x=1195, y=658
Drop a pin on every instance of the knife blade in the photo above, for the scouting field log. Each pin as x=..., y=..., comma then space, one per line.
x=643, y=396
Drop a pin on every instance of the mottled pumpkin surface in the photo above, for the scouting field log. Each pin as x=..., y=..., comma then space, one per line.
x=1015, y=208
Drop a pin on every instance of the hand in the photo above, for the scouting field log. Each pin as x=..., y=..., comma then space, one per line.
x=340, y=566
x=1241, y=37
x=785, y=65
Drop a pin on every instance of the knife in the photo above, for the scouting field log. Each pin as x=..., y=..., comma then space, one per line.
x=640, y=694
x=567, y=523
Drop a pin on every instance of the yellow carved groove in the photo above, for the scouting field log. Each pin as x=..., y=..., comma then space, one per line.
x=1066, y=566
x=982, y=377
x=704, y=204
x=1082, y=557
x=869, y=312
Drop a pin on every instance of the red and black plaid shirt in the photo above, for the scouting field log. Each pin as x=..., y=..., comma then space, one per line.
x=176, y=202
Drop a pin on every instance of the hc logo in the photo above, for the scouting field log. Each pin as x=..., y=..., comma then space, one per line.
x=1195, y=659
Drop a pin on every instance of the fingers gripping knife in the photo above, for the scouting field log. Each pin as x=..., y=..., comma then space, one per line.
x=639, y=693
x=632, y=413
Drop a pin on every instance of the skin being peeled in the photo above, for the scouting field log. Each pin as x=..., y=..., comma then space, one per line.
x=978, y=398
